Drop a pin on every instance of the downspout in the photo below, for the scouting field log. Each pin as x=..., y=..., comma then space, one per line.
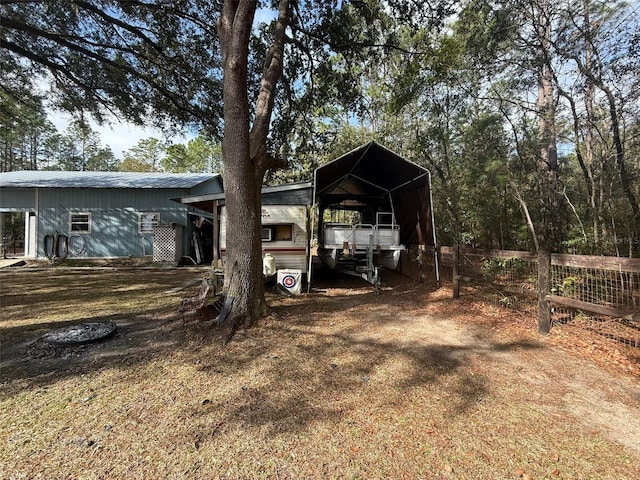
x=37, y=222
x=216, y=235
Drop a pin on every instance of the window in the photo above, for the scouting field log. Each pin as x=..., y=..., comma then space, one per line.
x=283, y=233
x=148, y=220
x=277, y=233
x=80, y=223
x=266, y=234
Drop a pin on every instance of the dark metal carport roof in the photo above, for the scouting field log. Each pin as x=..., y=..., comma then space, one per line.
x=370, y=170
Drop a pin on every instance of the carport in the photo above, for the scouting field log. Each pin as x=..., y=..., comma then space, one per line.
x=372, y=179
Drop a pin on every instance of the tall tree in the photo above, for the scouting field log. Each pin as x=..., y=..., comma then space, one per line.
x=146, y=156
x=81, y=149
x=24, y=131
x=200, y=154
x=244, y=149
x=147, y=61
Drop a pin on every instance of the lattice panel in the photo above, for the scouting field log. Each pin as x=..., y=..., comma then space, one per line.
x=166, y=244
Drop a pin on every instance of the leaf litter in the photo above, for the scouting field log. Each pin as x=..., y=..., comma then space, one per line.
x=339, y=383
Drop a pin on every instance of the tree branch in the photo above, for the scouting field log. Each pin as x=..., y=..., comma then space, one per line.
x=271, y=75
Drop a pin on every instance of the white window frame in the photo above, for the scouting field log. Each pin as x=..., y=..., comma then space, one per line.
x=269, y=234
x=155, y=221
x=73, y=222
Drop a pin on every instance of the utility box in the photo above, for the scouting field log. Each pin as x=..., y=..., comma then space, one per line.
x=167, y=243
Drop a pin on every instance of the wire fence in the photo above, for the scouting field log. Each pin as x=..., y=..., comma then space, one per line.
x=600, y=294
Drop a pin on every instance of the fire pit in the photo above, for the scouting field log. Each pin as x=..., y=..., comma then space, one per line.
x=81, y=333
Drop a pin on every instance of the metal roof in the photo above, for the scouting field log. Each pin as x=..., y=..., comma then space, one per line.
x=66, y=179
x=372, y=176
x=299, y=193
x=370, y=171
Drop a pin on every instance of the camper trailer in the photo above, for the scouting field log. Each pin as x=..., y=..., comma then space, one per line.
x=284, y=237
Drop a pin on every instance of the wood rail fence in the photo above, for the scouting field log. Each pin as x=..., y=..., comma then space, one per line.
x=595, y=287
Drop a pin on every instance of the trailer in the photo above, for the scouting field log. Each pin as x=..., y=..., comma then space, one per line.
x=285, y=225
x=285, y=237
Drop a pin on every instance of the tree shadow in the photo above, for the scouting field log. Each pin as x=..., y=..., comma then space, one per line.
x=301, y=355
x=341, y=363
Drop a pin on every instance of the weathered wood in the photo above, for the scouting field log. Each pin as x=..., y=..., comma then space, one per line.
x=478, y=252
x=195, y=304
x=462, y=278
x=631, y=265
x=544, y=270
x=572, y=303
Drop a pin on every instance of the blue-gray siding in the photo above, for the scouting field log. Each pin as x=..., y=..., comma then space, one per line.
x=17, y=199
x=114, y=219
x=114, y=201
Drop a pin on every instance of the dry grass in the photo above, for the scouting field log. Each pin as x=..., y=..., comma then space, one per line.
x=336, y=384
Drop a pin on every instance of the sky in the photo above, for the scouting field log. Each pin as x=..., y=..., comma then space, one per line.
x=118, y=135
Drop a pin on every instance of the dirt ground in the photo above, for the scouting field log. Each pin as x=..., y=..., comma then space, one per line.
x=338, y=383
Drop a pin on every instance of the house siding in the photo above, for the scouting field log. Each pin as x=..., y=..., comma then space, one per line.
x=114, y=219
x=17, y=199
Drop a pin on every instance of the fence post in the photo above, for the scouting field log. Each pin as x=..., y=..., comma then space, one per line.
x=454, y=272
x=544, y=271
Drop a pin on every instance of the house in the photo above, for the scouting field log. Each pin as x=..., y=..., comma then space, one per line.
x=93, y=215
x=371, y=209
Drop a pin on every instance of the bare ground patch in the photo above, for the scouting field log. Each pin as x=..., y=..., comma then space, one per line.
x=339, y=383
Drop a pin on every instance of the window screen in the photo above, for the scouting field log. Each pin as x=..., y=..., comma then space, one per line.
x=80, y=223
x=147, y=221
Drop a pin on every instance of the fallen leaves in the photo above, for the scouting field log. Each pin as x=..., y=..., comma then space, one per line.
x=286, y=399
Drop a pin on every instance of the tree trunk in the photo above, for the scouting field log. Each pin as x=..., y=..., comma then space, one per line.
x=625, y=179
x=596, y=211
x=245, y=158
x=594, y=79
x=550, y=234
x=544, y=284
x=242, y=280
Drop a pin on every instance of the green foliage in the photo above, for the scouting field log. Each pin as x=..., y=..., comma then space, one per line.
x=450, y=92
x=515, y=268
x=80, y=148
x=150, y=61
x=24, y=131
x=145, y=156
x=198, y=155
x=567, y=287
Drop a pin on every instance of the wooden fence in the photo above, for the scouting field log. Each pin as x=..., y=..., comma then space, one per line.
x=602, y=291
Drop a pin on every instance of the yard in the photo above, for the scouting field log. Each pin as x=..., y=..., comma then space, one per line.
x=338, y=383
